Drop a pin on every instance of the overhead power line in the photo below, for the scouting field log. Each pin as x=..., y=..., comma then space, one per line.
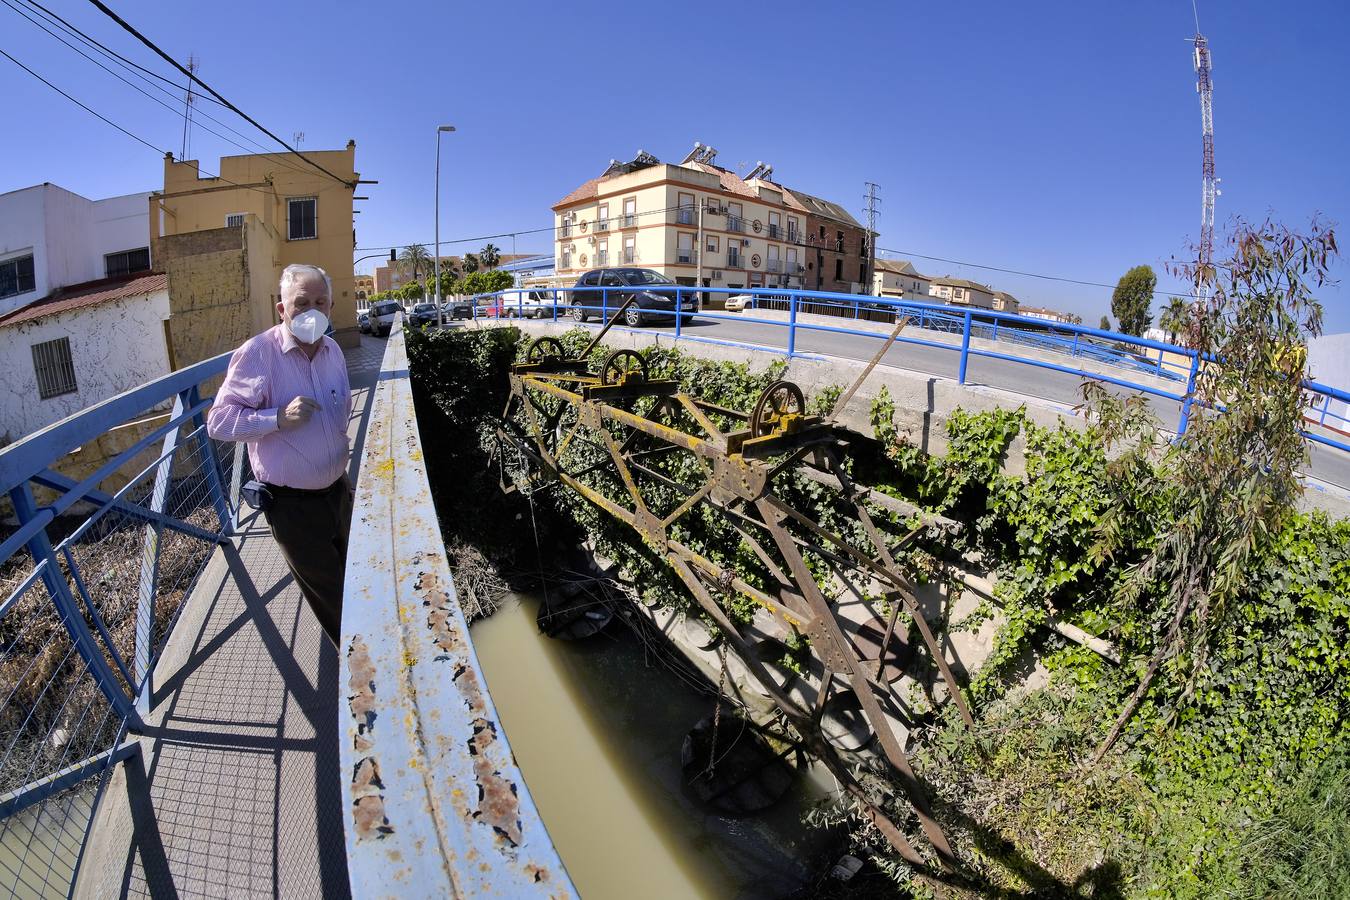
x=206, y=87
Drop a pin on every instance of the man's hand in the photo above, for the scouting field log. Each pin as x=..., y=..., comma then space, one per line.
x=296, y=413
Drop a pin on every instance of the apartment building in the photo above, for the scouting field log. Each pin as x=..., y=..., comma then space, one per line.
x=1051, y=315
x=899, y=279
x=697, y=222
x=1005, y=302
x=961, y=292
x=224, y=240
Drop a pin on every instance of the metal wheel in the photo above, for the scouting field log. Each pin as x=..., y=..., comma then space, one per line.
x=544, y=348
x=780, y=400
x=621, y=366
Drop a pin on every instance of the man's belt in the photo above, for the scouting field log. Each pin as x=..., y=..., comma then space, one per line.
x=281, y=490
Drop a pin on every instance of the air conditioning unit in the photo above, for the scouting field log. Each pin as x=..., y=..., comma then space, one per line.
x=745, y=242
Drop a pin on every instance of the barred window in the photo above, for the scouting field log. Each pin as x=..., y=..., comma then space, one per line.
x=126, y=262
x=234, y=220
x=16, y=276
x=54, y=368
x=302, y=218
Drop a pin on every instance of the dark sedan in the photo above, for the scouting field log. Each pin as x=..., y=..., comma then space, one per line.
x=655, y=295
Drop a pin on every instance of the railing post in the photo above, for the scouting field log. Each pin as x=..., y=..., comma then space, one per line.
x=40, y=547
x=1190, y=390
x=1160, y=356
x=1326, y=405
x=604, y=304
x=212, y=462
x=965, y=350
x=995, y=334
x=1074, y=351
x=855, y=309
x=792, y=325
x=679, y=312
x=554, y=293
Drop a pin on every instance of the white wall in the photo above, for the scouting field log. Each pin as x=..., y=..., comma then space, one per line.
x=22, y=231
x=114, y=347
x=67, y=235
x=1329, y=364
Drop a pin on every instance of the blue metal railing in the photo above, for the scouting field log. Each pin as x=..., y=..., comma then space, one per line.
x=437, y=806
x=93, y=577
x=1156, y=368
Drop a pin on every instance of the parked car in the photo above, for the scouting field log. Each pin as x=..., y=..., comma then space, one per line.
x=738, y=302
x=532, y=304
x=423, y=314
x=654, y=292
x=363, y=322
x=382, y=316
x=457, y=309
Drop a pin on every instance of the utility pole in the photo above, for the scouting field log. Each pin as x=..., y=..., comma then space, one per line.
x=436, y=262
x=187, y=108
x=1209, y=183
x=872, y=201
x=698, y=257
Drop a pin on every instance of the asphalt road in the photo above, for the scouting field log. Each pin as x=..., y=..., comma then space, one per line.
x=1326, y=464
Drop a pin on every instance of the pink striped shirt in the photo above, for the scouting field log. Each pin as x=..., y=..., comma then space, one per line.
x=268, y=372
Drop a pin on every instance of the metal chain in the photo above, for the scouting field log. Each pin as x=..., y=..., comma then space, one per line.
x=717, y=713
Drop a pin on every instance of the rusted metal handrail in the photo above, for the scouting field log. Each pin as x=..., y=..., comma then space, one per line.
x=436, y=805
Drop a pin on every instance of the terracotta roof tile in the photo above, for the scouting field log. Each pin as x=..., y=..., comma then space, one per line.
x=91, y=293
x=587, y=190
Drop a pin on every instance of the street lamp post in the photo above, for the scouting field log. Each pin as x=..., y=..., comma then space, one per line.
x=436, y=262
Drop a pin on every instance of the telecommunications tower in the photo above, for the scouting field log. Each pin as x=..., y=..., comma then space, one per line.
x=1209, y=183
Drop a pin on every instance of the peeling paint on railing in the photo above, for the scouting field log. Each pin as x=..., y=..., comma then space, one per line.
x=436, y=805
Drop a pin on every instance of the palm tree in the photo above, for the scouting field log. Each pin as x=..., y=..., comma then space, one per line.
x=1175, y=317
x=489, y=256
x=414, y=259
x=470, y=263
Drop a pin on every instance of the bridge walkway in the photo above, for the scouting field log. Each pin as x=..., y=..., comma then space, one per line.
x=237, y=792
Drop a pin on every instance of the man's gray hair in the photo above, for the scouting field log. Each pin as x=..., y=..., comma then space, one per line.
x=295, y=271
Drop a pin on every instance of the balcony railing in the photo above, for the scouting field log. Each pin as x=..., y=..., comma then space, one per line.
x=686, y=255
x=630, y=220
x=567, y=229
x=794, y=235
x=602, y=258
x=735, y=223
x=686, y=215
x=775, y=231
x=602, y=224
x=630, y=255
x=734, y=260
x=774, y=265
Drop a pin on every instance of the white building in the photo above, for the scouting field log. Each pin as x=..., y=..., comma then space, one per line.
x=78, y=347
x=51, y=238
x=898, y=278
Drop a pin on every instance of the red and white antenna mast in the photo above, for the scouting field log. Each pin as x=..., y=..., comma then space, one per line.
x=1209, y=183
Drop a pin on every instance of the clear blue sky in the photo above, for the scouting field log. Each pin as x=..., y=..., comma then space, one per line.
x=1053, y=137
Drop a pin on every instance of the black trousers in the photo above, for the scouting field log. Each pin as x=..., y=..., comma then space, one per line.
x=311, y=528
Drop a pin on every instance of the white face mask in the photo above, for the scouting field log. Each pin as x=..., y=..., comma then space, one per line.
x=309, y=326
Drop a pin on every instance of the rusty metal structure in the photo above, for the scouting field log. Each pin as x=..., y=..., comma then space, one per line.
x=667, y=463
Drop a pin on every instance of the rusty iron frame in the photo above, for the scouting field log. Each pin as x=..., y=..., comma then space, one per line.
x=556, y=403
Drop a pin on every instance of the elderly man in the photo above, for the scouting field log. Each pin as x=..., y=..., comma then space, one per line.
x=287, y=397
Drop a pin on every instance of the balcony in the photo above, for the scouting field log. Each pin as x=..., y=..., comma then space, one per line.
x=735, y=223
x=775, y=232
x=630, y=255
x=686, y=255
x=686, y=215
x=794, y=236
x=567, y=229
x=602, y=224
x=734, y=260
x=602, y=258
x=774, y=265
x=630, y=220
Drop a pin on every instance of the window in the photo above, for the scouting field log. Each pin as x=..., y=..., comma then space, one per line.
x=685, y=215
x=684, y=249
x=126, y=262
x=713, y=243
x=630, y=212
x=567, y=258
x=16, y=276
x=54, y=369
x=234, y=220
x=774, y=264
x=822, y=234
x=839, y=241
x=602, y=253
x=862, y=272
x=775, y=226
x=838, y=270
x=302, y=219
x=630, y=250
x=567, y=224
x=602, y=218
x=735, y=217
x=794, y=230
x=792, y=261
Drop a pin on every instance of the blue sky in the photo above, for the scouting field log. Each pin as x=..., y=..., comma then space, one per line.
x=1054, y=137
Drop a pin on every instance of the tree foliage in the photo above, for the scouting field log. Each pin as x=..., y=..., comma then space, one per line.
x=489, y=256
x=1175, y=318
x=1105, y=323
x=414, y=260
x=1132, y=299
x=469, y=264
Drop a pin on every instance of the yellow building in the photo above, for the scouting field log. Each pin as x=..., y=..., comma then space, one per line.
x=223, y=242
x=961, y=292
x=697, y=220
x=362, y=287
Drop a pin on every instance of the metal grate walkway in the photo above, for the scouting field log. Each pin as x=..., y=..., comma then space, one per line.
x=237, y=792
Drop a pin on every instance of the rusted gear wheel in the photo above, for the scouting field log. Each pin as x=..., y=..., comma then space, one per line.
x=623, y=365
x=544, y=348
x=780, y=400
